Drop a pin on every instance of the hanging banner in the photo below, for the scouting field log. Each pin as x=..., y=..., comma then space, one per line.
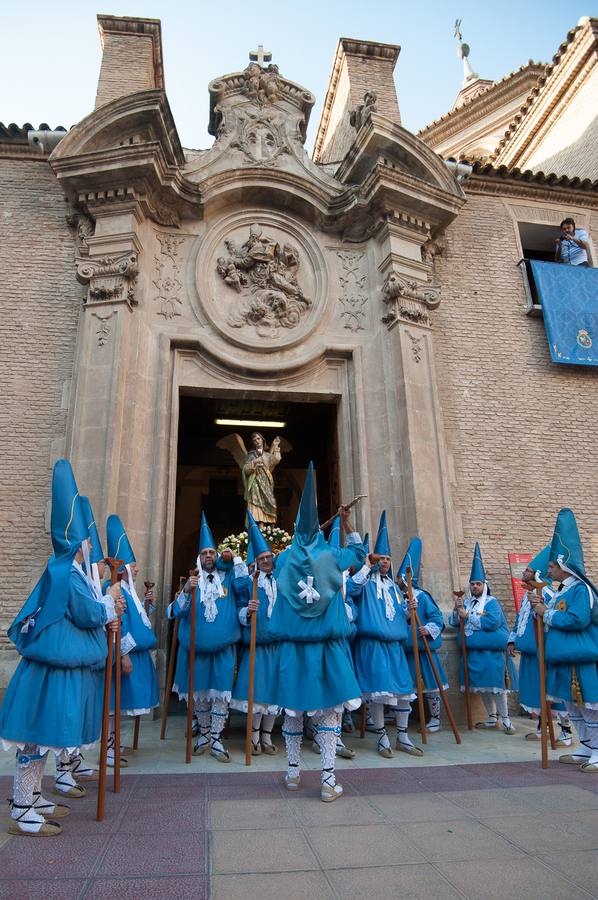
x=569, y=299
x=517, y=563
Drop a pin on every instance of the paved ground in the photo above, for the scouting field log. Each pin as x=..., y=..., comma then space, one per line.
x=404, y=829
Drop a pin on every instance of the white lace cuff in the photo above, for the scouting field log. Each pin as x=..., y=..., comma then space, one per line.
x=349, y=612
x=353, y=538
x=240, y=569
x=182, y=601
x=127, y=643
x=362, y=576
x=432, y=629
x=108, y=603
x=243, y=615
x=548, y=617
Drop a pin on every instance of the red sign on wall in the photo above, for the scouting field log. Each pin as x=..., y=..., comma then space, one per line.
x=517, y=563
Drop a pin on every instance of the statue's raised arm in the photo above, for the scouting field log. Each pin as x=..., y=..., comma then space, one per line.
x=257, y=465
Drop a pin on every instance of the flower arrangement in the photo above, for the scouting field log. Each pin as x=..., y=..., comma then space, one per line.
x=278, y=538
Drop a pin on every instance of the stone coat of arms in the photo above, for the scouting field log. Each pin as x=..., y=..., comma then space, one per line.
x=264, y=275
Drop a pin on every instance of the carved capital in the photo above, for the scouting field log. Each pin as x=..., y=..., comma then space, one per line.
x=110, y=278
x=408, y=300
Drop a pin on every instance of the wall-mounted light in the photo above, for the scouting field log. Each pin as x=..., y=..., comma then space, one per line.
x=250, y=423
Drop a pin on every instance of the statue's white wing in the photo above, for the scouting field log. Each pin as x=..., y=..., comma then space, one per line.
x=235, y=445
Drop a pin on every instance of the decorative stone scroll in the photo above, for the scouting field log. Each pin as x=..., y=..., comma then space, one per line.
x=110, y=278
x=264, y=275
x=408, y=300
x=353, y=285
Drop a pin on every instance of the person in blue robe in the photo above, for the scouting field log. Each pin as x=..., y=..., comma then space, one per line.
x=334, y=542
x=54, y=699
x=316, y=673
x=486, y=639
x=571, y=643
x=522, y=640
x=432, y=625
x=217, y=632
x=139, y=681
x=379, y=650
x=267, y=650
x=347, y=724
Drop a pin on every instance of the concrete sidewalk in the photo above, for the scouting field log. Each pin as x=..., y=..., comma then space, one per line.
x=477, y=831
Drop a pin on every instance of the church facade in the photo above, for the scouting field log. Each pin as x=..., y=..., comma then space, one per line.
x=377, y=282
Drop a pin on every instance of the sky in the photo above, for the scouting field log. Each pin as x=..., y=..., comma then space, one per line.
x=50, y=52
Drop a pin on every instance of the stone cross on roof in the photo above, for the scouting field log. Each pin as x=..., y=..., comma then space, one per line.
x=260, y=56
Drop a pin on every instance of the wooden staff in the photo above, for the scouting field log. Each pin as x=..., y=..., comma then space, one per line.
x=101, y=805
x=438, y=679
x=419, y=683
x=190, y=687
x=250, y=685
x=146, y=603
x=115, y=565
x=171, y=664
x=545, y=713
x=458, y=595
x=342, y=506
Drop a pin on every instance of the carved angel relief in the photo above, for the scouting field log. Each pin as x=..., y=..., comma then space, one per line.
x=264, y=275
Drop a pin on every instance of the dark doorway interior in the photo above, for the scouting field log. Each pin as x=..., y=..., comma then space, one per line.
x=209, y=479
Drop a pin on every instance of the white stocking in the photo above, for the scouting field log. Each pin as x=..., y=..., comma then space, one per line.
x=377, y=714
x=328, y=730
x=434, y=702
x=488, y=699
x=256, y=724
x=64, y=776
x=219, y=714
x=502, y=705
x=202, y=711
x=267, y=726
x=403, y=710
x=292, y=730
x=29, y=772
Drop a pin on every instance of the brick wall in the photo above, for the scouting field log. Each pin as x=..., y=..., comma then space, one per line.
x=523, y=430
x=39, y=307
x=127, y=66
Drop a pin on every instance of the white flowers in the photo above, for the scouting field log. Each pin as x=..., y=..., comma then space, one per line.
x=277, y=537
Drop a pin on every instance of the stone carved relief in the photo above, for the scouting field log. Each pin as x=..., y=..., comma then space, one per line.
x=416, y=346
x=110, y=278
x=408, y=300
x=104, y=329
x=432, y=248
x=262, y=85
x=264, y=275
x=261, y=139
x=362, y=113
x=167, y=281
x=353, y=281
x=83, y=227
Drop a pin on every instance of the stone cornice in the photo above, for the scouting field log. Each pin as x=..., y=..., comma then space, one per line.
x=507, y=186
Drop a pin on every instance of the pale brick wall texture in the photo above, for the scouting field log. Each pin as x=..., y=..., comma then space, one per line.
x=39, y=307
x=127, y=66
x=523, y=430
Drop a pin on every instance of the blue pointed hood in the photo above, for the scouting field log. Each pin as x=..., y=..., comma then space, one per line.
x=566, y=549
x=119, y=546
x=382, y=543
x=539, y=564
x=307, y=524
x=412, y=558
x=96, y=554
x=308, y=555
x=478, y=573
x=334, y=538
x=206, y=538
x=256, y=539
x=48, y=601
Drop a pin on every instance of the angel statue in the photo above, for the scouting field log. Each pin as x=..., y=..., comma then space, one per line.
x=256, y=467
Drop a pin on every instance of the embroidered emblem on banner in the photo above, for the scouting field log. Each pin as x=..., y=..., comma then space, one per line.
x=583, y=339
